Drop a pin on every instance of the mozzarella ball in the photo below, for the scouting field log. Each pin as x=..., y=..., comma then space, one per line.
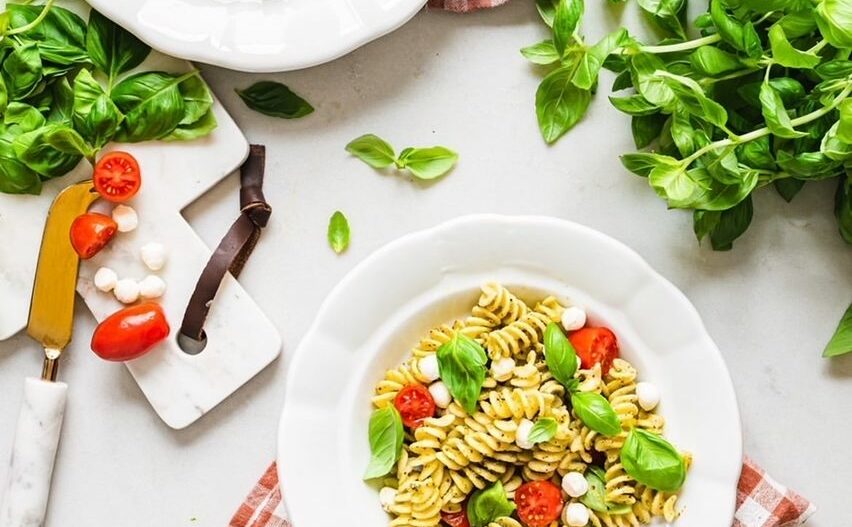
x=574, y=484
x=105, y=279
x=126, y=291
x=575, y=515
x=502, y=369
x=152, y=287
x=154, y=255
x=573, y=318
x=428, y=366
x=440, y=394
x=522, y=435
x=648, y=395
x=387, y=497
x=125, y=217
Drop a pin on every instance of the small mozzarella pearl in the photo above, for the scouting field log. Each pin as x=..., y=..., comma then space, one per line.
x=125, y=217
x=502, y=369
x=573, y=318
x=126, y=291
x=575, y=515
x=387, y=497
x=152, y=287
x=105, y=279
x=440, y=394
x=574, y=484
x=428, y=366
x=522, y=436
x=648, y=395
x=154, y=255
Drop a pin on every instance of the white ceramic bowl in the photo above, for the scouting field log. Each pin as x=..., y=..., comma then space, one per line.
x=259, y=35
x=378, y=312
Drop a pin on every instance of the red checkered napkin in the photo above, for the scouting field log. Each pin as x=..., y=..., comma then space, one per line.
x=761, y=502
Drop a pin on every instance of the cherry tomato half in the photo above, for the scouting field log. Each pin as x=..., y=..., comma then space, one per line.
x=539, y=503
x=129, y=333
x=595, y=345
x=455, y=519
x=415, y=404
x=90, y=232
x=117, y=177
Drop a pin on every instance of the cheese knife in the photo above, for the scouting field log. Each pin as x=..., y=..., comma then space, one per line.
x=50, y=324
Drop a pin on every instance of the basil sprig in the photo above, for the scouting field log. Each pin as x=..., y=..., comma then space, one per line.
x=338, y=232
x=595, y=497
x=422, y=163
x=275, y=99
x=386, y=434
x=543, y=430
x=653, y=461
x=461, y=365
x=488, y=505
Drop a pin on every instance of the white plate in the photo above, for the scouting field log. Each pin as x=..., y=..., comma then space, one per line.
x=259, y=35
x=376, y=314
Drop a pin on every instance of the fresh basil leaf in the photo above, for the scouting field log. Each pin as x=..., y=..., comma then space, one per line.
x=712, y=61
x=338, y=232
x=188, y=132
x=634, y=105
x=766, y=6
x=4, y=95
x=95, y=115
x=559, y=104
x=808, y=165
x=559, y=354
x=683, y=134
x=590, y=64
x=834, y=18
x=24, y=116
x=15, y=176
x=644, y=68
x=731, y=224
x=790, y=90
x=112, y=49
x=742, y=36
x=642, y=164
x=674, y=184
x=798, y=24
x=841, y=341
x=386, y=435
x=788, y=188
x=66, y=140
x=565, y=20
x=713, y=194
x=22, y=71
x=543, y=53
x=786, y=55
x=427, y=163
x=596, y=413
x=152, y=104
x=461, y=364
x=543, y=430
x=198, y=117
x=372, y=150
x=666, y=14
x=757, y=154
x=646, y=128
x=653, y=461
x=693, y=99
x=488, y=505
x=703, y=223
x=834, y=69
x=833, y=147
x=60, y=35
x=62, y=105
x=32, y=149
x=547, y=10
x=844, y=130
x=595, y=497
x=275, y=99
x=843, y=207
x=775, y=115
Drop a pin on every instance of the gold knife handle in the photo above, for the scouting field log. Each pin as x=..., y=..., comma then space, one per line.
x=50, y=368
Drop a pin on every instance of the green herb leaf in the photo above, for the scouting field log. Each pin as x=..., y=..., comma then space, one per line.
x=372, y=150
x=590, y=64
x=543, y=430
x=642, y=164
x=666, y=14
x=790, y=90
x=843, y=207
x=634, y=105
x=559, y=354
x=60, y=35
x=693, y=99
x=788, y=188
x=786, y=55
x=66, y=140
x=275, y=99
x=653, y=461
x=841, y=341
x=844, y=131
x=834, y=18
x=596, y=413
x=386, y=435
x=543, y=53
x=95, y=115
x=198, y=118
x=338, y=232
x=644, y=69
x=427, y=163
x=488, y=505
x=730, y=225
x=559, y=104
x=775, y=114
x=712, y=61
x=595, y=497
x=742, y=36
x=565, y=20
x=22, y=71
x=33, y=149
x=152, y=105
x=461, y=364
x=646, y=128
x=112, y=49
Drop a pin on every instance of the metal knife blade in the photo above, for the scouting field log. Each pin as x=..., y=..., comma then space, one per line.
x=52, y=304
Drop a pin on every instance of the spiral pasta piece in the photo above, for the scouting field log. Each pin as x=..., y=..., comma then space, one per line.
x=517, y=403
x=551, y=307
x=505, y=521
x=602, y=519
x=620, y=487
x=394, y=381
x=516, y=338
x=502, y=303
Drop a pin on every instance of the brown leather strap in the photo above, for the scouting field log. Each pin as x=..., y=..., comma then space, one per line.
x=235, y=248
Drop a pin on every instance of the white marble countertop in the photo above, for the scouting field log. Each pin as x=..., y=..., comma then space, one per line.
x=459, y=81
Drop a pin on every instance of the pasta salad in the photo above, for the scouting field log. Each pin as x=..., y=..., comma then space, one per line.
x=521, y=416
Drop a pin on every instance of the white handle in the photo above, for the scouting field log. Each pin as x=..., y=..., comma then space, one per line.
x=36, y=439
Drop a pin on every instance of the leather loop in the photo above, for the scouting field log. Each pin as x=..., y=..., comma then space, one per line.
x=236, y=246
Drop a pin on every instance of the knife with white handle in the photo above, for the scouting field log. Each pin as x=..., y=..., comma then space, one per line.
x=51, y=321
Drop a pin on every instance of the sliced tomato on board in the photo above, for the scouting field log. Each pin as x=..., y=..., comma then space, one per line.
x=455, y=519
x=539, y=503
x=117, y=177
x=90, y=232
x=415, y=404
x=595, y=345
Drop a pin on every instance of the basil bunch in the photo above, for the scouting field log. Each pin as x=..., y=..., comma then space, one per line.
x=589, y=407
x=66, y=91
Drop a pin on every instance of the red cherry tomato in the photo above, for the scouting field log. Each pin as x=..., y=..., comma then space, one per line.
x=539, y=503
x=415, y=404
x=595, y=345
x=129, y=333
x=455, y=519
x=117, y=177
x=90, y=232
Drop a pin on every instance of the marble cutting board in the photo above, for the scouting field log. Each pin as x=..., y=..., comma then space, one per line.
x=241, y=339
